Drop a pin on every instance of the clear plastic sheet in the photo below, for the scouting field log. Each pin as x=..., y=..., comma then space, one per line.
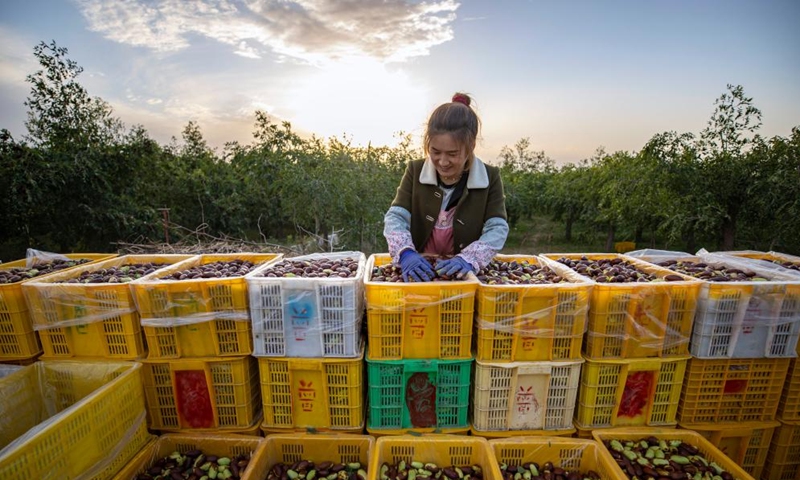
x=743, y=319
x=34, y=257
x=6, y=370
x=56, y=303
x=751, y=258
x=83, y=403
x=641, y=319
x=164, y=302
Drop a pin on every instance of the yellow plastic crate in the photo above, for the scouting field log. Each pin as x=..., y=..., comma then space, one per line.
x=707, y=449
x=622, y=247
x=320, y=393
x=641, y=392
x=586, y=433
x=18, y=340
x=567, y=453
x=221, y=445
x=200, y=317
x=202, y=393
x=732, y=390
x=532, y=322
x=253, y=430
x=526, y=396
x=783, y=458
x=442, y=450
x=418, y=320
x=789, y=406
x=88, y=320
x=317, y=448
x=638, y=320
x=746, y=443
x=89, y=418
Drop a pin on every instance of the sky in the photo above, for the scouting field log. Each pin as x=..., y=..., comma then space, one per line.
x=570, y=76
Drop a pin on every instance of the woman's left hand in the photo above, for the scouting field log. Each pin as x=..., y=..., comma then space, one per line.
x=453, y=267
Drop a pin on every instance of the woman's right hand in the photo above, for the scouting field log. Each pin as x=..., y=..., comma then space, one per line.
x=413, y=265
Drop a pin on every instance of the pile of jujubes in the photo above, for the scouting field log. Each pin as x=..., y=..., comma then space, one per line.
x=711, y=272
x=120, y=274
x=18, y=274
x=221, y=269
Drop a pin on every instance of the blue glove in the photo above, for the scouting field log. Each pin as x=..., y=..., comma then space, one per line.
x=413, y=265
x=453, y=267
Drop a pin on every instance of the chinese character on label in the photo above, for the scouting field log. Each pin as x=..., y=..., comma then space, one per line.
x=526, y=400
x=307, y=394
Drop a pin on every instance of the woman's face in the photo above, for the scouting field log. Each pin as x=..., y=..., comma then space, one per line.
x=447, y=156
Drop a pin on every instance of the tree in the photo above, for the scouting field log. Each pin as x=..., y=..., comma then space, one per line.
x=726, y=166
x=61, y=114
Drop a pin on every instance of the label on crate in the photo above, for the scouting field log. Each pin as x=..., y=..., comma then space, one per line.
x=300, y=310
x=193, y=399
x=636, y=397
x=421, y=400
x=530, y=402
x=417, y=323
x=309, y=407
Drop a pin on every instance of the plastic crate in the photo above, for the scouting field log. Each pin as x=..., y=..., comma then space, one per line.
x=756, y=319
x=253, y=430
x=418, y=395
x=63, y=419
x=707, y=449
x=418, y=320
x=200, y=317
x=567, y=432
x=220, y=445
x=789, y=406
x=202, y=393
x=640, y=392
x=307, y=317
x=317, y=448
x=768, y=259
x=442, y=450
x=732, y=390
x=18, y=340
x=745, y=443
x=783, y=458
x=638, y=320
x=525, y=395
x=88, y=320
x=567, y=453
x=320, y=393
x=532, y=322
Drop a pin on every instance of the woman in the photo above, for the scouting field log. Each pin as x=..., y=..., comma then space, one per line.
x=449, y=205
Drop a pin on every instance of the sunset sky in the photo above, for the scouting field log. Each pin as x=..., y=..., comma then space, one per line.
x=569, y=75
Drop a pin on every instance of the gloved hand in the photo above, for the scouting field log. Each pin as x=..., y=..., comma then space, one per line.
x=453, y=267
x=413, y=265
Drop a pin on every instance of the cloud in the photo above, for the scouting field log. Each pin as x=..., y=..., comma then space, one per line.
x=16, y=59
x=314, y=31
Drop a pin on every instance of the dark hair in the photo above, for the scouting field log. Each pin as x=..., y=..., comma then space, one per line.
x=459, y=120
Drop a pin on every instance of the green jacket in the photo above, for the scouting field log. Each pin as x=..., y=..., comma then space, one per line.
x=482, y=199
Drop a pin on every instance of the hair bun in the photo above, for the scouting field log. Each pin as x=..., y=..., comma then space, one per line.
x=461, y=98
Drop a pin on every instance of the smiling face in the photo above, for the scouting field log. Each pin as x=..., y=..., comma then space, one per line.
x=448, y=156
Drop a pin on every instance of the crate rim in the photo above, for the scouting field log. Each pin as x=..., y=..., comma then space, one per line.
x=151, y=279
x=660, y=271
x=471, y=279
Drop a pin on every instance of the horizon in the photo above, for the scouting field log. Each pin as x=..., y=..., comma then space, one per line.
x=571, y=77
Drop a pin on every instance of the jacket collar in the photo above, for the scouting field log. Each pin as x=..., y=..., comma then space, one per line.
x=478, y=177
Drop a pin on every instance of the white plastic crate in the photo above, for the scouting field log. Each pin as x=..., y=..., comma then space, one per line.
x=307, y=317
x=750, y=319
x=525, y=395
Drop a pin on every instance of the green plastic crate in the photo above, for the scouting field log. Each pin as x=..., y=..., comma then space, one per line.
x=418, y=395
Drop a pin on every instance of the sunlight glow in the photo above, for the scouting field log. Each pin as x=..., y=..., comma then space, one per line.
x=361, y=99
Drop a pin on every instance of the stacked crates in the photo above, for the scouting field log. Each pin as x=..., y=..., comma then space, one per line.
x=744, y=335
x=419, y=357
x=636, y=346
x=306, y=316
x=199, y=375
x=528, y=359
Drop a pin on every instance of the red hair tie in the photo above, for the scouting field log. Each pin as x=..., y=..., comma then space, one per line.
x=461, y=98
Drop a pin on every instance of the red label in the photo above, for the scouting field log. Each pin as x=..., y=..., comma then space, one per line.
x=306, y=394
x=421, y=400
x=526, y=400
x=528, y=343
x=194, y=400
x=636, y=395
x=735, y=386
